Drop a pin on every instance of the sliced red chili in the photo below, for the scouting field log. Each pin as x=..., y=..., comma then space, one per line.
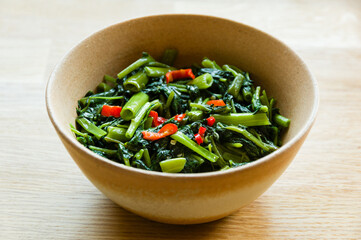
x=168, y=129
x=154, y=115
x=156, y=120
x=198, y=138
x=210, y=121
x=161, y=120
x=216, y=103
x=179, y=74
x=108, y=111
x=179, y=117
x=202, y=131
x=169, y=77
x=165, y=131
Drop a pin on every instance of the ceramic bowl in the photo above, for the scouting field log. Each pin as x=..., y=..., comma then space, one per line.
x=184, y=198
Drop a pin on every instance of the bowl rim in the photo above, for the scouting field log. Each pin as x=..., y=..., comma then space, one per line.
x=181, y=176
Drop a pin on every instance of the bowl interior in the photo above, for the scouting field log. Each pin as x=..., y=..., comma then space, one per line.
x=271, y=64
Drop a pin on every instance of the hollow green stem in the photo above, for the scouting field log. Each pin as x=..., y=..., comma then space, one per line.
x=133, y=105
x=256, y=102
x=281, y=120
x=146, y=58
x=74, y=130
x=109, y=79
x=255, y=140
x=177, y=85
x=186, y=141
x=235, y=145
x=139, y=154
x=86, y=100
x=124, y=154
x=169, y=100
x=202, y=107
x=210, y=64
x=247, y=93
x=91, y=128
x=236, y=69
x=220, y=160
x=198, y=158
x=135, y=122
x=229, y=69
x=236, y=85
x=233, y=107
x=103, y=150
x=272, y=102
x=195, y=115
x=233, y=157
x=148, y=123
x=146, y=157
x=159, y=64
x=173, y=165
x=242, y=156
x=103, y=87
x=137, y=82
x=245, y=119
x=156, y=71
x=203, y=81
x=117, y=133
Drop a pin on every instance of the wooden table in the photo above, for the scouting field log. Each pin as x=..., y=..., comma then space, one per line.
x=43, y=195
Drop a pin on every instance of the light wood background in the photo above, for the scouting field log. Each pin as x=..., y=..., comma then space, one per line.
x=43, y=195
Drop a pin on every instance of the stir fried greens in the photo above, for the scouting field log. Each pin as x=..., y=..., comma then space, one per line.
x=156, y=117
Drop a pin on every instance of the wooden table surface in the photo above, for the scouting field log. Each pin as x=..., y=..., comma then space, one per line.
x=43, y=194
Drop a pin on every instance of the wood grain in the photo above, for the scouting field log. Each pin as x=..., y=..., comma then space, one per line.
x=43, y=195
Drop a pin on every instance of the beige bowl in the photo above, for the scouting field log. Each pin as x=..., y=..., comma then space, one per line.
x=184, y=198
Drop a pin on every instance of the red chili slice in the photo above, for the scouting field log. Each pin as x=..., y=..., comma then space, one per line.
x=154, y=115
x=113, y=111
x=156, y=120
x=216, y=103
x=198, y=138
x=165, y=131
x=202, y=131
x=179, y=117
x=179, y=74
x=161, y=120
x=210, y=121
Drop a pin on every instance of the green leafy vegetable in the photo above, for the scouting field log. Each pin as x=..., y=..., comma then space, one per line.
x=239, y=122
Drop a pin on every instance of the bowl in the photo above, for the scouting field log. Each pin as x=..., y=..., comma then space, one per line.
x=184, y=198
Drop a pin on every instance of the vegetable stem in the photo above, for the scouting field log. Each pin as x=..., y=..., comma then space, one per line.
x=255, y=140
x=204, y=81
x=220, y=160
x=156, y=71
x=103, y=150
x=186, y=141
x=236, y=85
x=245, y=119
x=210, y=64
x=136, y=82
x=103, y=87
x=91, y=128
x=146, y=58
x=173, y=165
x=109, y=79
x=256, y=102
x=117, y=133
x=146, y=157
x=135, y=122
x=131, y=108
x=281, y=120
